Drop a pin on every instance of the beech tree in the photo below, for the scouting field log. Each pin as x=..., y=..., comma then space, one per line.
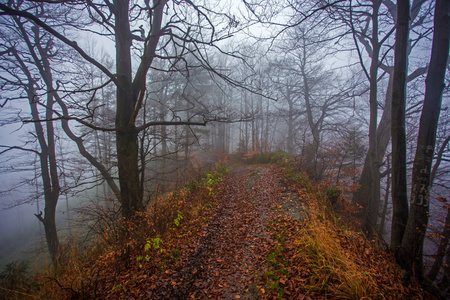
x=399, y=185
x=27, y=56
x=411, y=257
x=371, y=25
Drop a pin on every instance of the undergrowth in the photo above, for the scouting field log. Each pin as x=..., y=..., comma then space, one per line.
x=320, y=257
x=327, y=259
x=130, y=252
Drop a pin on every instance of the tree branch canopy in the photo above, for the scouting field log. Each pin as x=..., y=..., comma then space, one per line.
x=138, y=128
x=13, y=12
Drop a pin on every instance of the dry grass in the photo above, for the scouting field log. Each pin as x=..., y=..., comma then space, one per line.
x=86, y=273
x=332, y=268
x=341, y=263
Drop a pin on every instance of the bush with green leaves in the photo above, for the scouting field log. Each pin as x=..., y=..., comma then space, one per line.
x=213, y=178
x=333, y=193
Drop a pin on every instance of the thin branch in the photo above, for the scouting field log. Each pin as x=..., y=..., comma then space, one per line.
x=17, y=148
x=71, y=118
x=168, y=123
x=356, y=43
x=13, y=12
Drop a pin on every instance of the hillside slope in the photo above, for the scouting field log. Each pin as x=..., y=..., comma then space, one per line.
x=259, y=232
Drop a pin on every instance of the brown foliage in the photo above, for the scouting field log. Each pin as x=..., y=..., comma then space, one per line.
x=241, y=239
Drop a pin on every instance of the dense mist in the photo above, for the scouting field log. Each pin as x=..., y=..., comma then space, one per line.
x=109, y=106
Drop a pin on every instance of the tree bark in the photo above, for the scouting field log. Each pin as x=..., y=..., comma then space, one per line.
x=386, y=202
x=445, y=236
x=412, y=243
x=445, y=281
x=383, y=138
x=313, y=126
x=290, y=122
x=399, y=184
x=128, y=92
x=46, y=138
x=371, y=213
x=126, y=133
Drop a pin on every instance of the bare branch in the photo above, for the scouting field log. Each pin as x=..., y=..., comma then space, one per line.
x=71, y=118
x=13, y=12
x=168, y=123
x=8, y=148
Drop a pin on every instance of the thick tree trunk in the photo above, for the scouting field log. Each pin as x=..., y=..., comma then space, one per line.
x=445, y=281
x=127, y=156
x=371, y=212
x=126, y=133
x=128, y=102
x=313, y=126
x=412, y=243
x=399, y=184
x=445, y=235
x=48, y=171
x=383, y=137
x=51, y=233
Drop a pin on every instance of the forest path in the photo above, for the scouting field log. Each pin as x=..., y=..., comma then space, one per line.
x=231, y=253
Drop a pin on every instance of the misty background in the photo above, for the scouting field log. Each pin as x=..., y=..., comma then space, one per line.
x=254, y=78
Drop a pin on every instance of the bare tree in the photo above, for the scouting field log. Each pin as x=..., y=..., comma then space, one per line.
x=412, y=243
x=168, y=38
x=372, y=27
x=399, y=185
x=29, y=51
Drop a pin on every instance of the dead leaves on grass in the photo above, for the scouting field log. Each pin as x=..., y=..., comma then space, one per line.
x=240, y=243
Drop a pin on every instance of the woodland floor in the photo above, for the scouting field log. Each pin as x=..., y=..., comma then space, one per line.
x=231, y=252
x=246, y=244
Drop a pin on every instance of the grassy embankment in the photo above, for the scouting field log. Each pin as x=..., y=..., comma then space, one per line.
x=320, y=255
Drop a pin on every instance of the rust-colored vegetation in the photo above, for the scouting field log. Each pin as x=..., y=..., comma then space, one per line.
x=243, y=231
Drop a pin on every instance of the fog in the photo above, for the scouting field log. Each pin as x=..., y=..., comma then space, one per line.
x=132, y=115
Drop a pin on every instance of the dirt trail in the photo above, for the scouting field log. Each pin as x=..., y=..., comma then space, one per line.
x=234, y=244
x=249, y=241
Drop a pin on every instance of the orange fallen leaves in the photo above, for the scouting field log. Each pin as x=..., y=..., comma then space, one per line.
x=245, y=245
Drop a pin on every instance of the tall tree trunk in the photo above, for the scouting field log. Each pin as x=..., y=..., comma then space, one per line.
x=128, y=104
x=313, y=126
x=126, y=133
x=247, y=134
x=371, y=213
x=445, y=235
x=383, y=138
x=47, y=156
x=361, y=196
x=445, y=281
x=414, y=235
x=187, y=140
x=399, y=184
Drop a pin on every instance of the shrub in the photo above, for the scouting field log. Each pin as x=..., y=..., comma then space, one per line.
x=333, y=193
